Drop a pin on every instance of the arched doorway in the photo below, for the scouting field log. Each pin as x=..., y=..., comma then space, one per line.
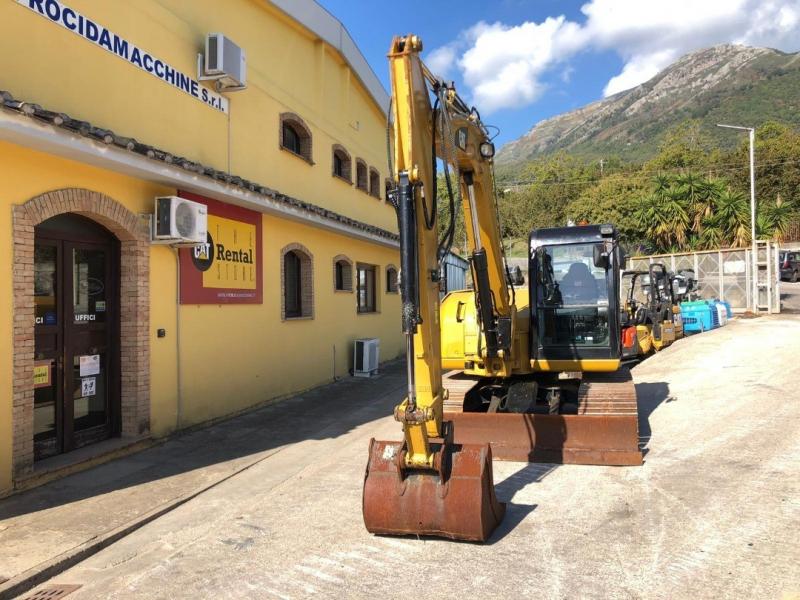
x=76, y=334
x=132, y=237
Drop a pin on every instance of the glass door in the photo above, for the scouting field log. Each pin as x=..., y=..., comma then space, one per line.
x=76, y=353
x=48, y=359
x=86, y=344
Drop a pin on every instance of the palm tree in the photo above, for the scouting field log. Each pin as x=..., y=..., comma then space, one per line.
x=777, y=219
x=663, y=216
x=731, y=210
x=689, y=186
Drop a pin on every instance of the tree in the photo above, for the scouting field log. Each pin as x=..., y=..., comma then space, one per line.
x=684, y=146
x=613, y=199
x=688, y=211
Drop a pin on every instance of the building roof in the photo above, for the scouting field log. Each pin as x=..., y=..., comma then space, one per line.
x=270, y=197
x=319, y=21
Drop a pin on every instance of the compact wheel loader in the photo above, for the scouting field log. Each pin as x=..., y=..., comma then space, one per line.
x=533, y=374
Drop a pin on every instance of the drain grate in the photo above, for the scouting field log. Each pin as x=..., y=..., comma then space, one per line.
x=52, y=592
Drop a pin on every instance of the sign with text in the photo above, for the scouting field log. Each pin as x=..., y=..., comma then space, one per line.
x=70, y=19
x=227, y=268
x=42, y=373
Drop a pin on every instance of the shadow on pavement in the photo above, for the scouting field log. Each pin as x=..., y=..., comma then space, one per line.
x=508, y=488
x=322, y=413
x=648, y=397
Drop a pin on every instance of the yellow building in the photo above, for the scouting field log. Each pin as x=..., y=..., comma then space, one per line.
x=110, y=338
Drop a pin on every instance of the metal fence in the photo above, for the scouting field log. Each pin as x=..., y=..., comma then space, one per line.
x=726, y=274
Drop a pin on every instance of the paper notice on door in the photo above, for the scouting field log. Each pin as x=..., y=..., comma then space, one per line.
x=88, y=386
x=41, y=373
x=90, y=364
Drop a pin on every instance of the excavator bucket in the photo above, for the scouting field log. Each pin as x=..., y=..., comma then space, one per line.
x=456, y=502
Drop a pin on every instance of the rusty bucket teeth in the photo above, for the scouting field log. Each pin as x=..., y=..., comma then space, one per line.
x=458, y=504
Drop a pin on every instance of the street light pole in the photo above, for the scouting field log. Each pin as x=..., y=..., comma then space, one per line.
x=752, y=138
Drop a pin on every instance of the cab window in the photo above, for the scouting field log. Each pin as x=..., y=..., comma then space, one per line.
x=572, y=297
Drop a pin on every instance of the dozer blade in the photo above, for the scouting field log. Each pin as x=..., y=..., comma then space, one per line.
x=458, y=502
x=605, y=430
x=563, y=439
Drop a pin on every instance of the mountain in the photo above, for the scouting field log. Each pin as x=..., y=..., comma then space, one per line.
x=724, y=84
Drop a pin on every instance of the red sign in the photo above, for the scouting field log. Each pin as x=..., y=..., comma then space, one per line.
x=226, y=269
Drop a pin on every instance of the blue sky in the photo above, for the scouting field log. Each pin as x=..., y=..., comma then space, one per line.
x=520, y=61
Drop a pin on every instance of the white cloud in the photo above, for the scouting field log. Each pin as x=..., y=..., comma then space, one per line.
x=638, y=69
x=503, y=66
x=442, y=60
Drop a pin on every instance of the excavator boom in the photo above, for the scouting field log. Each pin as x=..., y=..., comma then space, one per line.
x=426, y=484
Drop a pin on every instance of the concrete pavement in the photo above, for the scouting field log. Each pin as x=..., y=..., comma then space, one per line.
x=47, y=529
x=713, y=513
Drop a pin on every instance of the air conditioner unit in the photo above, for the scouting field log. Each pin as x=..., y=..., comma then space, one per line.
x=225, y=62
x=365, y=357
x=180, y=221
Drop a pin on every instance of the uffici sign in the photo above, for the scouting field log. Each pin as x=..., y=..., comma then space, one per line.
x=93, y=32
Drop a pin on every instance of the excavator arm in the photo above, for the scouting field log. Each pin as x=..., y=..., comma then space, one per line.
x=426, y=484
x=455, y=134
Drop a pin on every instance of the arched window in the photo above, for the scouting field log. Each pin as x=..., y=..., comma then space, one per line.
x=295, y=136
x=342, y=274
x=341, y=164
x=391, y=279
x=297, y=280
x=374, y=183
x=293, y=285
x=361, y=175
x=291, y=139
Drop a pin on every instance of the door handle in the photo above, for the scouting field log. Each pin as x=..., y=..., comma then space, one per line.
x=460, y=312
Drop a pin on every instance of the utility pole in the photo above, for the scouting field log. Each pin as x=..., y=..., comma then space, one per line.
x=752, y=137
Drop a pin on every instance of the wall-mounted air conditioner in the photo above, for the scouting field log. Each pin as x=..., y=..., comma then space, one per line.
x=366, y=354
x=223, y=62
x=179, y=221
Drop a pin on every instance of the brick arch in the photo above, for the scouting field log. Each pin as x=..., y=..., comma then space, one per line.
x=306, y=281
x=303, y=132
x=347, y=273
x=347, y=163
x=362, y=181
x=374, y=183
x=134, y=298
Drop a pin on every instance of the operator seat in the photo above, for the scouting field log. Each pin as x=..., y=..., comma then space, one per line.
x=579, y=285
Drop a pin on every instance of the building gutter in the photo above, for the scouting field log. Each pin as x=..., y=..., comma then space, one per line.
x=37, y=135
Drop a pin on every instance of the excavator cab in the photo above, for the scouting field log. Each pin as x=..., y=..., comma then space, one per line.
x=574, y=291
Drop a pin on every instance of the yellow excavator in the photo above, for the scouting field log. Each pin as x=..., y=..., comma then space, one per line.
x=533, y=374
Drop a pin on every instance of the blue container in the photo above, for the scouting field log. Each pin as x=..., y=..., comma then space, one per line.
x=722, y=316
x=699, y=316
x=728, y=309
